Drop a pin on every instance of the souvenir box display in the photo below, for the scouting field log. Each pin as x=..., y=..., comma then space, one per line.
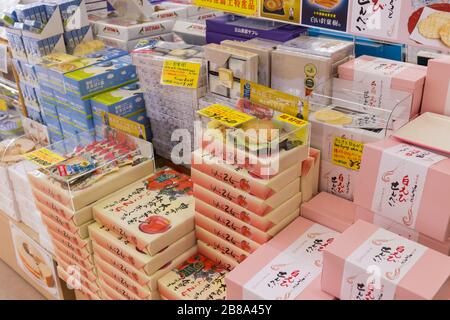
x=263, y=223
x=126, y=251
x=263, y=141
x=227, y=66
x=82, y=169
x=168, y=107
x=315, y=60
x=151, y=213
x=404, y=267
x=385, y=74
x=220, y=259
x=287, y=268
x=198, y=278
x=405, y=184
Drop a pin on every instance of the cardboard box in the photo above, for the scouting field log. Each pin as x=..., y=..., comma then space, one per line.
x=226, y=248
x=243, y=199
x=436, y=96
x=191, y=32
x=248, y=28
x=404, y=183
x=228, y=221
x=330, y=211
x=126, y=251
x=288, y=267
x=310, y=175
x=151, y=213
x=222, y=260
x=197, y=272
x=125, y=29
x=130, y=45
x=240, y=178
x=387, y=74
x=263, y=223
x=338, y=180
x=363, y=245
x=235, y=238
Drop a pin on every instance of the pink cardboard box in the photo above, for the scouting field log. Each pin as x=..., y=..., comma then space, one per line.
x=229, y=221
x=67, y=246
x=387, y=74
x=67, y=265
x=330, y=211
x=221, y=245
x=220, y=259
x=74, y=238
x=401, y=230
x=225, y=233
x=76, y=281
x=241, y=178
x=243, y=199
x=86, y=247
x=264, y=224
x=406, y=184
x=310, y=175
x=436, y=96
x=406, y=270
x=288, y=267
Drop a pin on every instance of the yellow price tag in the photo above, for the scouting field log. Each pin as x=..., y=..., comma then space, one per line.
x=302, y=133
x=3, y=105
x=44, y=158
x=180, y=74
x=225, y=115
x=347, y=153
x=242, y=7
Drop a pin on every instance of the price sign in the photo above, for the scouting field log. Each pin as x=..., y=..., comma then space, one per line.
x=347, y=153
x=180, y=74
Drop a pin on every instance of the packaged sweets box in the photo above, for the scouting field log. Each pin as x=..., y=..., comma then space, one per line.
x=197, y=272
x=151, y=213
x=127, y=29
x=408, y=270
x=387, y=74
x=120, y=160
x=288, y=267
x=248, y=28
x=402, y=183
x=436, y=96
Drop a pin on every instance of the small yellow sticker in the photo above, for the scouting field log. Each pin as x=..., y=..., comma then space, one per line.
x=292, y=120
x=44, y=158
x=347, y=153
x=225, y=115
x=180, y=74
x=3, y=105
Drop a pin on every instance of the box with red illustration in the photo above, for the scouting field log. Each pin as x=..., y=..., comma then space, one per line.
x=151, y=213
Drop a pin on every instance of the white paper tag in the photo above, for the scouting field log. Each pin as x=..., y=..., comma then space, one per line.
x=400, y=183
x=3, y=58
x=374, y=269
x=289, y=273
x=378, y=73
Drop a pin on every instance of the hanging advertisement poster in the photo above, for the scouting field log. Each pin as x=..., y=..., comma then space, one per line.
x=282, y=10
x=417, y=22
x=329, y=14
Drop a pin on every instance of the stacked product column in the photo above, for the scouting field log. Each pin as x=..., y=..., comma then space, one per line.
x=145, y=232
x=242, y=205
x=65, y=192
x=169, y=108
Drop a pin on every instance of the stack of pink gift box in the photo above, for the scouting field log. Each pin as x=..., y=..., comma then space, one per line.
x=240, y=207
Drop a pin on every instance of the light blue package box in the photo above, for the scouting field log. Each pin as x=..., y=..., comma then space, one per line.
x=100, y=77
x=29, y=73
x=17, y=64
x=69, y=129
x=56, y=76
x=83, y=124
x=55, y=133
x=122, y=101
x=77, y=109
x=17, y=46
x=36, y=49
x=139, y=117
x=73, y=38
x=34, y=114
